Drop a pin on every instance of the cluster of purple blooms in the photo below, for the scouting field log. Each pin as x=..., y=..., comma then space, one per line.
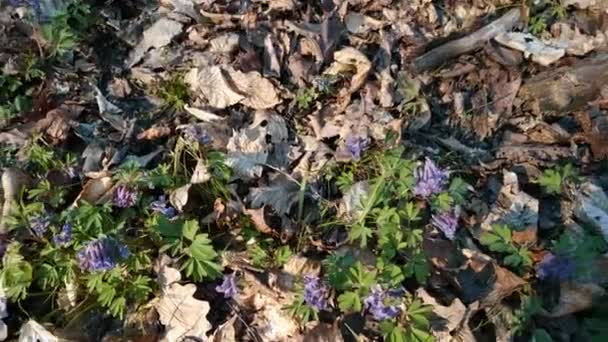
x=447, y=223
x=64, y=236
x=197, y=133
x=430, y=179
x=315, y=292
x=102, y=255
x=124, y=197
x=375, y=303
x=228, y=286
x=40, y=224
x=162, y=206
x=356, y=145
x=556, y=267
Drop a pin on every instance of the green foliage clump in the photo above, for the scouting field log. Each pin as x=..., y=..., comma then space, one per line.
x=554, y=180
x=174, y=92
x=500, y=240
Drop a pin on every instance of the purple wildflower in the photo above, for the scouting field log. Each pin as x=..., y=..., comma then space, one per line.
x=40, y=224
x=64, y=236
x=430, y=179
x=102, y=255
x=197, y=133
x=355, y=145
x=124, y=197
x=375, y=304
x=446, y=222
x=558, y=267
x=228, y=287
x=315, y=292
x=162, y=206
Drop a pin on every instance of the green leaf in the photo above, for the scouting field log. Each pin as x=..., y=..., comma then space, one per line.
x=360, y=232
x=489, y=238
x=503, y=231
x=168, y=228
x=349, y=301
x=189, y=229
x=201, y=248
x=551, y=181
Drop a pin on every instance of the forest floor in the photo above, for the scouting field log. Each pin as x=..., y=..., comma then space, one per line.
x=289, y=170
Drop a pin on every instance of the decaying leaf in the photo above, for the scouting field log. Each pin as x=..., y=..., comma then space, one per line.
x=179, y=197
x=95, y=189
x=257, y=217
x=541, y=53
x=351, y=59
x=514, y=208
x=577, y=43
x=445, y=319
x=201, y=173
x=225, y=332
x=591, y=207
x=324, y=332
x=161, y=33
x=575, y=297
x=180, y=313
x=281, y=194
x=211, y=84
x=247, y=152
x=155, y=132
x=33, y=331
x=222, y=86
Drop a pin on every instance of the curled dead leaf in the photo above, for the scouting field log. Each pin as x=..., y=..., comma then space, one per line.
x=94, y=190
x=154, y=132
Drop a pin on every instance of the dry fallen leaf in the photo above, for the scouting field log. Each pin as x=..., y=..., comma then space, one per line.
x=445, y=319
x=223, y=86
x=541, y=53
x=247, y=152
x=154, y=132
x=179, y=197
x=201, y=173
x=95, y=189
x=32, y=331
x=349, y=59
x=212, y=85
x=257, y=217
x=576, y=297
x=161, y=33
x=180, y=313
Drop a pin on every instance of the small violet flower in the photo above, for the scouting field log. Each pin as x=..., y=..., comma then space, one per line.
x=430, y=179
x=162, y=206
x=315, y=292
x=556, y=267
x=64, y=236
x=102, y=255
x=375, y=304
x=228, y=287
x=196, y=133
x=446, y=222
x=124, y=197
x=40, y=224
x=356, y=145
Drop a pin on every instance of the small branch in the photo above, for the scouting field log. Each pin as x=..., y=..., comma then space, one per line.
x=474, y=41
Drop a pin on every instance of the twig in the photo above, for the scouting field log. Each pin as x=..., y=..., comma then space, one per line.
x=475, y=40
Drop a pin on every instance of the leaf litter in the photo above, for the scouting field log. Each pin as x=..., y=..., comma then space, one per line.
x=266, y=154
